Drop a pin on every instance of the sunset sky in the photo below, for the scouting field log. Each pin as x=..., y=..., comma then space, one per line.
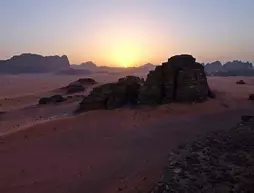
x=128, y=32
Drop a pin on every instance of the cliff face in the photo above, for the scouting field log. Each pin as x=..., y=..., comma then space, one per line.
x=32, y=63
x=180, y=79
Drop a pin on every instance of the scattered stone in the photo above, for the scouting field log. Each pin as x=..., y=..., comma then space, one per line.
x=240, y=82
x=251, y=97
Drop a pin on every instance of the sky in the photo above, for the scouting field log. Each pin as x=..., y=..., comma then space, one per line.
x=128, y=32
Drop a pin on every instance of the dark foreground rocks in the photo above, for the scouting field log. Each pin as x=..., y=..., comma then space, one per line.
x=51, y=100
x=113, y=95
x=220, y=162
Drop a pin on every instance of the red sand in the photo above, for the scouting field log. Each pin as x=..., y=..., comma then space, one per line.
x=103, y=151
x=81, y=157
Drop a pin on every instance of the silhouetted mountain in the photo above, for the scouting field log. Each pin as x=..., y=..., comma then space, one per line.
x=214, y=67
x=33, y=63
x=89, y=65
x=234, y=68
x=94, y=68
x=237, y=65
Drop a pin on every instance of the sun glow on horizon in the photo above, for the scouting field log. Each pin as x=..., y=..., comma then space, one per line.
x=125, y=54
x=123, y=45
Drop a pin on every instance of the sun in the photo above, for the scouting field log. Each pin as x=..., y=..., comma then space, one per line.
x=125, y=54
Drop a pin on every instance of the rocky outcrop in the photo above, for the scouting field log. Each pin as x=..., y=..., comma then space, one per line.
x=33, y=63
x=112, y=95
x=222, y=161
x=79, y=85
x=180, y=79
x=51, y=100
x=86, y=81
x=74, y=88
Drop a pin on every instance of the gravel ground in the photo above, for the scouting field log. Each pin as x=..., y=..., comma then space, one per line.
x=220, y=162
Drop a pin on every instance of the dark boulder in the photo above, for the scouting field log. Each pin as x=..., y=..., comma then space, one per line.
x=112, y=95
x=86, y=81
x=251, y=97
x=74, y=88
x=57, y=98
x=247, y=117
x=52, y=100
x=44, y=101
x=240, y=82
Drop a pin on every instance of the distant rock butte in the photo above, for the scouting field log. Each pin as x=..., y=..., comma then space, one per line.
x=33, y=63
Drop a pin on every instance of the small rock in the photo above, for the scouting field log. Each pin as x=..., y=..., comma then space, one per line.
x=240, y=82
x=251, y=97
x=246, y=117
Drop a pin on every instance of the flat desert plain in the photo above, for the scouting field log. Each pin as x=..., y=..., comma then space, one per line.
x=48, y=149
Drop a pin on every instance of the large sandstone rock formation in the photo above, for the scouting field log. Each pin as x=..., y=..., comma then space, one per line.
x=113, y=95
x=180, y=79
x=33, y=63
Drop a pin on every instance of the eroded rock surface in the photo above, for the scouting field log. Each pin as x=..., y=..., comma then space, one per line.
x=219, y=162
x=180, y=79
x=113, y=95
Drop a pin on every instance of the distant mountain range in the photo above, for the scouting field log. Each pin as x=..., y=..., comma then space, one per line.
x=234, y=68
x=94, y=68
x=33, y=63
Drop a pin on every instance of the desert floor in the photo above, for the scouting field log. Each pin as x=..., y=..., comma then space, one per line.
x=47, y=149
